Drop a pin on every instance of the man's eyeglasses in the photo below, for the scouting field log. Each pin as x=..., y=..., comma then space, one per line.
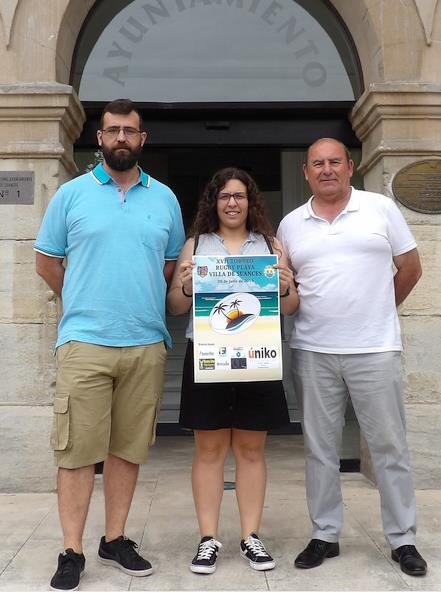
x=226, y=196
x=114, y=131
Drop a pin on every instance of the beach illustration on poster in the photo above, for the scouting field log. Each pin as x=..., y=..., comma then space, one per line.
x=236, y=319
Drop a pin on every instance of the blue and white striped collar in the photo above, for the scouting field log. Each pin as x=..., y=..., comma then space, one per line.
x=101, y=176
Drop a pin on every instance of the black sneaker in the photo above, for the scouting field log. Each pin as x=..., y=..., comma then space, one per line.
x=69, y=571
x=205, y=560
x=254, y=551
x=121, y=552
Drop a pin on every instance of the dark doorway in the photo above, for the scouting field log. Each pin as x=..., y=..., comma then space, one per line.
x=187, y=170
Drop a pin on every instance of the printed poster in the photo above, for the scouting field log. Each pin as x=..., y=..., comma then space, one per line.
x=236, y=318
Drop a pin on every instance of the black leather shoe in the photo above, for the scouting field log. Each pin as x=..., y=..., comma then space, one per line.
x=411, y=562
x=315, y=552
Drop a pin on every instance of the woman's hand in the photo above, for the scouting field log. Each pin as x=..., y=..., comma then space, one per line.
x=286, y=279
x=290, y=301
x=186, y=276
x=177, y=302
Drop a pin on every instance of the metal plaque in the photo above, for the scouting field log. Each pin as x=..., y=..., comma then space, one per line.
x=16, y=187
x=418, y=186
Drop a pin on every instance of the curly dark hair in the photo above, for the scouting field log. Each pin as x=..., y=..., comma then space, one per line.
x=206, y=219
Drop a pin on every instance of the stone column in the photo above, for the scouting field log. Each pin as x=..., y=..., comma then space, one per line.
x=39, y=123
x=400, y=123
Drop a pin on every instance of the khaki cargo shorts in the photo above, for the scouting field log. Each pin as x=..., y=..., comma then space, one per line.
x=107, y=400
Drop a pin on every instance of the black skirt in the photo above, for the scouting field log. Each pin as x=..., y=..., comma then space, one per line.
x=256, y=405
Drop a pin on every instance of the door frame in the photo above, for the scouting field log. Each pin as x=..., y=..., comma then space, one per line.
x=202, y=125
x=235, y=124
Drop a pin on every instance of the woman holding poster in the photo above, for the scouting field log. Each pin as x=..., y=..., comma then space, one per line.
x=230, y=221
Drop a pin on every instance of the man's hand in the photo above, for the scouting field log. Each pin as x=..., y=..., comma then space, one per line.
x=169, y=268
x=408, y=273
x=51, y=269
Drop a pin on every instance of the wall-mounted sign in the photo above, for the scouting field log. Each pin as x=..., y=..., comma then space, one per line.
x=418, y=186
x=16, y=187
x=215, y=51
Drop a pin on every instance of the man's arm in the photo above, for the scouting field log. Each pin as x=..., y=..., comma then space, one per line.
x=51, y=269
x=169, y=268
x=408, y=273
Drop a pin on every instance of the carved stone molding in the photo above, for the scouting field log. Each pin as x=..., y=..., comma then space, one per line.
x=8, y=9
x=426, y=11
x=33, y=104
x=401, y=119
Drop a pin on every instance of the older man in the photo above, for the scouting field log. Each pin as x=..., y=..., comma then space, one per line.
x=120, y=231
x=343, y=245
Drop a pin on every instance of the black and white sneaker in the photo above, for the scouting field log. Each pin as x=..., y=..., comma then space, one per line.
x=205, y=560
x=254, y=551
x=69, y=571
x=121, y=553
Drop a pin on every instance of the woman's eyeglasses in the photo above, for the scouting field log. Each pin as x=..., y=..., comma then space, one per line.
x=237, y=196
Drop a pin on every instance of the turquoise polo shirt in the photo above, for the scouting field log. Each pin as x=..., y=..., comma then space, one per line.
x=116, y=246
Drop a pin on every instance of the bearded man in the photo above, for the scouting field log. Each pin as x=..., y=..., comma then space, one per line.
x=120, y=232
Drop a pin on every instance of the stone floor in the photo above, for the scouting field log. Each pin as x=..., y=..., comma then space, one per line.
x=162, y=519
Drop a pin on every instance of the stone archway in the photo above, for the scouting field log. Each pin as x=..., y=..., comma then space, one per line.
x=358, y=19
x=70, y=26
x=398, y=119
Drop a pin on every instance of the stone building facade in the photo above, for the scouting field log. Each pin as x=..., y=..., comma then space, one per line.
x=397, y=119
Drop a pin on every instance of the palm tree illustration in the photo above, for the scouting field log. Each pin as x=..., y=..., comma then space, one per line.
x=219, y=308
x=235, y=305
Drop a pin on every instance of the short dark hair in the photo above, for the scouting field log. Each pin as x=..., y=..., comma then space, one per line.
x=121, y=107
x=345, y=148
x=206, y=219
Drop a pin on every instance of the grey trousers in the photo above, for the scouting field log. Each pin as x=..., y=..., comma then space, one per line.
x=323, y=383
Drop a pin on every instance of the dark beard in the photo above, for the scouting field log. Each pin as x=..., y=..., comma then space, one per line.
x=121, y=161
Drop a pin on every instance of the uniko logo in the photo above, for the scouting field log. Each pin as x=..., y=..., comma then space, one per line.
x=263, y=352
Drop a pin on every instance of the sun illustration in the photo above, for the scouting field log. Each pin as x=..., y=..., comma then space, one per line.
x=234, y=313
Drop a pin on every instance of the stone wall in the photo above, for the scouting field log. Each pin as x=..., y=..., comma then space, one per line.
x=400, y=123
x=40, y=122
x=397, y=118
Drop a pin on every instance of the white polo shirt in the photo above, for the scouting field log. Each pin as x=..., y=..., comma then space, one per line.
x=345, y=274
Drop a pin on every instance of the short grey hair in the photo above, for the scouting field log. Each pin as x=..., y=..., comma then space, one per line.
x=345, y=148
